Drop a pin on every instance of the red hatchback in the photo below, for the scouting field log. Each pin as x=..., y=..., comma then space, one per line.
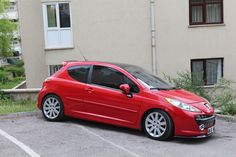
x=125, y=95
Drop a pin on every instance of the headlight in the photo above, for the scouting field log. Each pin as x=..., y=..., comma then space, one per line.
x=182, y=105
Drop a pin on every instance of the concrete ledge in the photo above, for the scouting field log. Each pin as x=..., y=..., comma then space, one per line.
x=20, y=114
x=22, y=94
x=21, y=85
x=7, y=91
x=226, y=118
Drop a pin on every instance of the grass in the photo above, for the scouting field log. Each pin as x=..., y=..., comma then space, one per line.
x=11, y=83
x=8, y=106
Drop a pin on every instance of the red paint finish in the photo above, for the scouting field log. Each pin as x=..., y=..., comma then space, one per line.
x=88, y=101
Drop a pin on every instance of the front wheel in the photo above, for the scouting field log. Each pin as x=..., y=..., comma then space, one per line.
x=52, y=108
x=158, y=125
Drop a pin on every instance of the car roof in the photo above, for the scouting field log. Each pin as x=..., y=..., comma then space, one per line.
x=74, y=63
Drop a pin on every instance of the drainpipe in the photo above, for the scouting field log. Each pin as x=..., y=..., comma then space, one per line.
x=153, y=36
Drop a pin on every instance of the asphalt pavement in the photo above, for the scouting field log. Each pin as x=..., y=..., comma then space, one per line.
x=34, y=136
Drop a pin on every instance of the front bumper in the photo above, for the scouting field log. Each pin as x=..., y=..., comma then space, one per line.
x=205, y=121
x=194, y=125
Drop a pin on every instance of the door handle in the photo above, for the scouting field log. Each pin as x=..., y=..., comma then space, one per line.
x=89, y=90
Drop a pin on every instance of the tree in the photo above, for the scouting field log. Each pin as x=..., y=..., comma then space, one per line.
x=7, y=29
x=3, y=5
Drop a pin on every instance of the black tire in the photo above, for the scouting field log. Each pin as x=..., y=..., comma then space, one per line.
x=147, y=126
x=57, y=111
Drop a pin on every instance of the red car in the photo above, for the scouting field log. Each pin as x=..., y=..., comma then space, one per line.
x=125, y=95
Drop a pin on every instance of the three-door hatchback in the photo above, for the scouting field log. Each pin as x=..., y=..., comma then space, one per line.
x=125, y=95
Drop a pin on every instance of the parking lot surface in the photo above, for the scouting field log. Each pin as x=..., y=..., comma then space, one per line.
x=34, y=136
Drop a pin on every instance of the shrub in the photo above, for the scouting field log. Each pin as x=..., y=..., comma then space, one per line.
x=221, y=96
x=3, y=76
x=3, y=96
x=184, y=80
x=16, y=71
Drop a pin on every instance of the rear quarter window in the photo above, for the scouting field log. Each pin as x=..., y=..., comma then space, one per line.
x=79, y=73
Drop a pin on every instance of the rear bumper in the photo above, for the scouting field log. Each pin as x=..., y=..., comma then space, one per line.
x=40, y=98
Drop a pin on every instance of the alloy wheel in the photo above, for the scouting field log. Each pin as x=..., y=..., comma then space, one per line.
x=51, y=108
x=155, y=124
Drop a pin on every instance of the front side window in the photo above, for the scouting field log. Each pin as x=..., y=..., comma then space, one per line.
x=207, y=71
x=109, y=77
x=206, y=11
x=57, y=25
x=79, y=73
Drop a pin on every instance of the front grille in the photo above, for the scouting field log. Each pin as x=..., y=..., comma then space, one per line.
x=208, y=121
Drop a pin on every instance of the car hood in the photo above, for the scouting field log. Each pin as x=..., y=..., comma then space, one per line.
x=186, y=97
x=180, y=95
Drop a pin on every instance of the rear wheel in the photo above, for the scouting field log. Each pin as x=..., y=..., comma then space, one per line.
x=158, y=125
x=52, y=108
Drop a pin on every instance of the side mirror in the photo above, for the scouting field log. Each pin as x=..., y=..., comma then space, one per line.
x=126, y=90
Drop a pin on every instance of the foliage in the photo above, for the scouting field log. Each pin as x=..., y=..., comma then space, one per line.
x=12, y=83
x=7, y=29
x=12, y=75
x=220, y=96
x=184, y=80
x=9, y=106
x=3, y=77
x=223, y=96
x=16, y=71
x=3, y=5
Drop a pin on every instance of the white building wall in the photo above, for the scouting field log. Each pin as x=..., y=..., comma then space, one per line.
x=103, y=30
x=119, y=31
x=178, y=43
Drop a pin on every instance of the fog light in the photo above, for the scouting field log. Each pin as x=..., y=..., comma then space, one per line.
x=202, y=127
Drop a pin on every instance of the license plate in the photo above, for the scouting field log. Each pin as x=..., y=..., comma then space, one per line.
x=211, y=130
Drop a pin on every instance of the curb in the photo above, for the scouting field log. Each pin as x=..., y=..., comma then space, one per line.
x=20, y=114
x=226, y=118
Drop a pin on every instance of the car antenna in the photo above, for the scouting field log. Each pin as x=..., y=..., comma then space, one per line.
x=85, y=59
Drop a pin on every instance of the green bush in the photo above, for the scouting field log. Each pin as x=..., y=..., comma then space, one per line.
x=3, y=96
x=221, y=96
x=184, y=80
x=3, y=77
x=19, y=63
x=16, y=71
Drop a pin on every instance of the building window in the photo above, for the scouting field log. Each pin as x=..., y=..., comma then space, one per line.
x=205, y=12
x=208, y=71
x=57, y=25
x=54, y=68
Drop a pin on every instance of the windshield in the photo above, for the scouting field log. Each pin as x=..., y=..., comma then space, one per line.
x=148, y=80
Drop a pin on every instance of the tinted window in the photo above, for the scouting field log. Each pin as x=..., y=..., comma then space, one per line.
x=111, y=78
x=79, y=73
x=64, y=10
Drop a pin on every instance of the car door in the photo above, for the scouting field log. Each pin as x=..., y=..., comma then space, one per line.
x=106, y=102
x=73, y=88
